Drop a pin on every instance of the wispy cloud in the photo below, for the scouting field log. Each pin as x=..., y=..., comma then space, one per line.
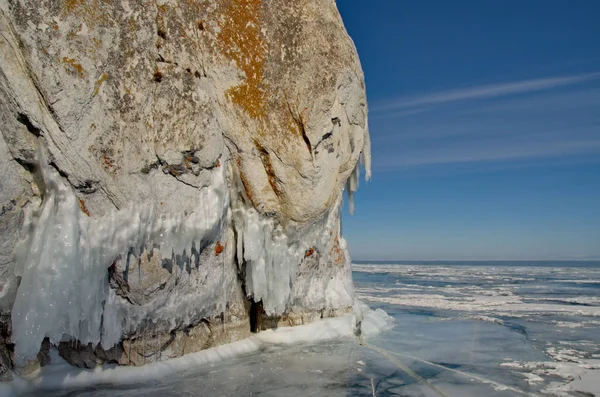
x=481, y=92
x=485, y=153
x=565, y=125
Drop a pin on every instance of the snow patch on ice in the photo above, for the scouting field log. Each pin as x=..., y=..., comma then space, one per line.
x=501, y=305
x=488, y=319
x=581, y=377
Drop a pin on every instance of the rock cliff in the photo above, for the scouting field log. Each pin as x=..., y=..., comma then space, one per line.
x=172, y=173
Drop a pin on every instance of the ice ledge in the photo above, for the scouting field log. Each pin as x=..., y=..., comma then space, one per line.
x=60, y=375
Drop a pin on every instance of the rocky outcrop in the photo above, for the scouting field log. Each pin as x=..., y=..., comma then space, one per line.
x=171, y=173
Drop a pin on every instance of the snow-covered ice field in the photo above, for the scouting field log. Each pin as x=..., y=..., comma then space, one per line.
x=458, y=331
x=524, y=330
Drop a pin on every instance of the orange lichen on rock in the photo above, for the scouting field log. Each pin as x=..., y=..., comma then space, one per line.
x=309, y=252
x=99, y=82
x=75, y=65
x=92, y=12
x=219, y=248
x=240, y=40
x=82, y=206
x=71, y=5
x=336, y=253
x=186, y=161
x=107, y=163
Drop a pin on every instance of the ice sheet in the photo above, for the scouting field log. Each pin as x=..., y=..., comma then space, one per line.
x=61, y=376
x=530, y=328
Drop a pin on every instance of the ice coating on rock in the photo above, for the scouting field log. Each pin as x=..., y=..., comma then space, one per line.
x=152, y=116
x=60, y=376
x=273, y=254
x=64, y=292
x=65, y=257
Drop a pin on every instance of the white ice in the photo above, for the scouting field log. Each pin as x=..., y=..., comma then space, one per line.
x=533, y=328
x=273, y=254
x=60, y=375
x=64, y=257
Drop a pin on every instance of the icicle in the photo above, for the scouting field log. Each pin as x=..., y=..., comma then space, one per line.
x=64, y=257
x=352, y=186
x=272, y=254
x=365, y=156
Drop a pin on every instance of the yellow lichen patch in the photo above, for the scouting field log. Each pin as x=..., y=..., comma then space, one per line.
x=75, y=65
x=240, y=40
x=71, y=5
x=99, y=82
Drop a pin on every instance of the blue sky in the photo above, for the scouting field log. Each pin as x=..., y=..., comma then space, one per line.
x=485, y=128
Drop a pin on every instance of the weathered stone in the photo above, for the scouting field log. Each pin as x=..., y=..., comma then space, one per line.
x=5, y=364
x=82, y=356
x=142, y=103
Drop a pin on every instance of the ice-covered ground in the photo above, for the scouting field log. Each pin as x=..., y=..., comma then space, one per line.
x=460, y=331
x=60, y=378
x=534, y=329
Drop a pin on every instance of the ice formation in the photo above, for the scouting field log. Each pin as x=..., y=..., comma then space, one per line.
x=60, y=375
x=65, y=255
x=273, y=253
x=352, y=187
x=353, y=182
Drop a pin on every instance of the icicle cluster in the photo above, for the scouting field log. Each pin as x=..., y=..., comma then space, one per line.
x=273, y=254
x=64, y=257
x=353, y=182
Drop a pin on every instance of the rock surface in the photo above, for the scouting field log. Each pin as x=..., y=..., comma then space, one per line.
x=194, y=153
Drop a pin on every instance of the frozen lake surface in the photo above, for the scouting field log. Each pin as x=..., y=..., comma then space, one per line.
x=459, y=331
x=529, y=329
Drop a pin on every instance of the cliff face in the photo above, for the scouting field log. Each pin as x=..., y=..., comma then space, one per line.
x=171, y=173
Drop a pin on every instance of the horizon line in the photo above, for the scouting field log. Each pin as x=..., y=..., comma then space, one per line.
x=476, y=260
